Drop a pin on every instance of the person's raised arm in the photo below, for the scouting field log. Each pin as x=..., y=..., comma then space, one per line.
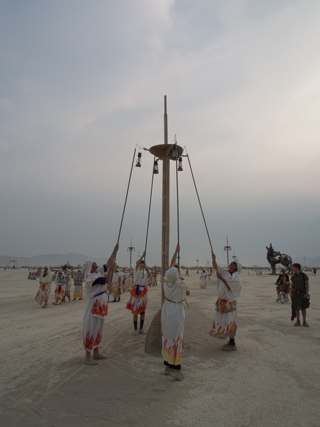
x=214, y=261
x=140, y=259
x=173, y=260
x=112, y=257
x=223, y=281
x=109, y=275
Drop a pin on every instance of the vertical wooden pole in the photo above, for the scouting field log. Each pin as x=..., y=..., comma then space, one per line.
x=165, y=203
x=153, y=339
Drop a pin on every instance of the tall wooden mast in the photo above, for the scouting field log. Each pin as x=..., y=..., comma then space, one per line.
x=165, y=203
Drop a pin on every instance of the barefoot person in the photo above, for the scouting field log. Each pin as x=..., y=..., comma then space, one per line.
x=43, y=293
x=96, y=309
x=229, y=288
x=138, y=299
x=172, y=319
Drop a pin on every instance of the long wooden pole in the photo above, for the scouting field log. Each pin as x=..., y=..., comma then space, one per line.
x=165, y=203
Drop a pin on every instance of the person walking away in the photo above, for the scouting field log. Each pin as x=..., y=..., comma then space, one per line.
x=299, y=293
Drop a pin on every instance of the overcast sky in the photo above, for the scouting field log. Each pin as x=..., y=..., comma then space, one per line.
x=83, y=82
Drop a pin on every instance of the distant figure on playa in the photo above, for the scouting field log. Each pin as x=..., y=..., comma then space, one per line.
x=225, y=322
x=203, y=279
x=78, y=285
x=172, y=319
x=60, y=288
x=116, y=285
x=68, y=284
x=282, y=282
x=43, y=293
x=96, y=309
x=299, y=293
x=155, y=276
x=138, y=299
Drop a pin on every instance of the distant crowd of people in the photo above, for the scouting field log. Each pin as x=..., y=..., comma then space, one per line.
x=64, y=279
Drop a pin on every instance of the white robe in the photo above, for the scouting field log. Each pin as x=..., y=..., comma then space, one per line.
x=172, y=321
x=225, y=322
x=203, y=280
x=96, y=310
x=44, y=288
x=138, y=299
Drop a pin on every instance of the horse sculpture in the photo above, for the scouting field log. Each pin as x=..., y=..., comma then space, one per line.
x=275, y=258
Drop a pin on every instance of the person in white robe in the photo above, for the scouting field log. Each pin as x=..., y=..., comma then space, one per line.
x=96, y=310
x=116, y=285
x=43, y=293
x=225, y=322
x=68, y=286
x=78, y=285
x=203, y=279
x=60, y=288
x=138, y=299
x=172, y=319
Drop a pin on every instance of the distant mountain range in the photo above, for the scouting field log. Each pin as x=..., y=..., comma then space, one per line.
x=74, y=259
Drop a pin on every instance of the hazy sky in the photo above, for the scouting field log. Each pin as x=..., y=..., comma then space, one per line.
x=83, y=82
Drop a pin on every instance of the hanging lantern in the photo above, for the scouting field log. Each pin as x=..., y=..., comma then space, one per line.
x=174, y=152
x=138, y=164
x=155, y=167
x=180, y=169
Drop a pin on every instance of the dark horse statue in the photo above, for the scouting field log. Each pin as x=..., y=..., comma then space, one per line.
x=275, y=258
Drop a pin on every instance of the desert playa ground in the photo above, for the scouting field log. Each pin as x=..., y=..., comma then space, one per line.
x=272, y=380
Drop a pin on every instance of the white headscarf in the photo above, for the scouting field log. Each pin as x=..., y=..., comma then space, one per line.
x=44, y=270
x=172, y=276
x=238, y=266
x=86, y=268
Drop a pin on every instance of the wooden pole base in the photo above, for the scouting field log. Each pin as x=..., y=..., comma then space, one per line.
x=153, y=342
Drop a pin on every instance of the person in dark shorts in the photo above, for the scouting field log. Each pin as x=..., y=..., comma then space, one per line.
x=299, y=293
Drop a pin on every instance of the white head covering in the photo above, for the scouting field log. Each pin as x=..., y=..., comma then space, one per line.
x=172, y=276
x=238, y=266
x=44, y=270
x=86, y=268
